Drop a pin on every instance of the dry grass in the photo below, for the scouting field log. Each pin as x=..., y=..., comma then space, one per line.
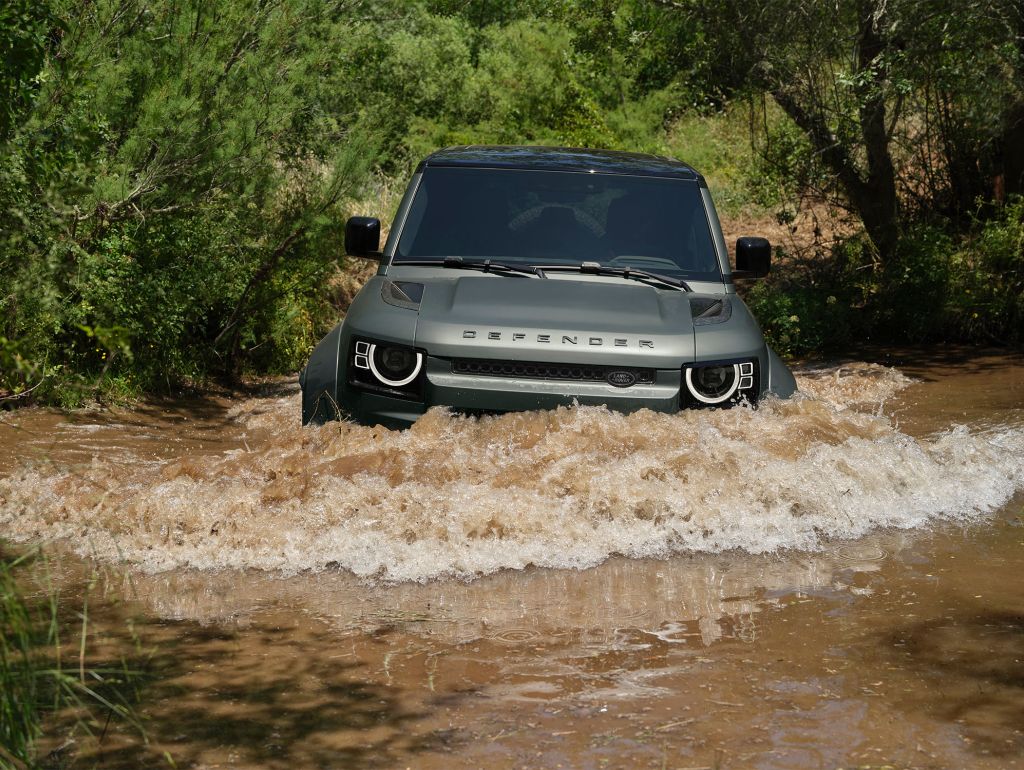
x=349, y=280
x=815, y=229
x=382, y=202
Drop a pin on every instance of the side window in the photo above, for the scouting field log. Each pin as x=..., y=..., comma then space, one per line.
x=401, y=215
x=413, y=221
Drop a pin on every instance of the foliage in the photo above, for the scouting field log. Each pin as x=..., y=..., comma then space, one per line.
x=906, y=108
x=178, y=180
x=941, y=285
x=784, y=165
x=749, y=151
x=37, y=682
x=808, y=308
x=24, y=27
x=174, y=174
x=522, y=90
x=985, y=299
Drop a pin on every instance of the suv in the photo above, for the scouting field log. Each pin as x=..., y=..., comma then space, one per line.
x=519, y=278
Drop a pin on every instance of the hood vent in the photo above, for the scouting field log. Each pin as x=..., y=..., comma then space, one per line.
x=710, y=310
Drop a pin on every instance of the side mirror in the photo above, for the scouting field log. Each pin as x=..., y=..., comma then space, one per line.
x=753, y=257
x=362, y=237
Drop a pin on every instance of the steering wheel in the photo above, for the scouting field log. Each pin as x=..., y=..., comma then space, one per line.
x=638, y=261
x=581, y=217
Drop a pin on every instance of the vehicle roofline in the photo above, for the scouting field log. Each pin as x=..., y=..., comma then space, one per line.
x=562, y=159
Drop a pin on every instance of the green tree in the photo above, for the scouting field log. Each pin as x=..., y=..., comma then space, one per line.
x=179, y=178
x=909, y=106
x=26, y=29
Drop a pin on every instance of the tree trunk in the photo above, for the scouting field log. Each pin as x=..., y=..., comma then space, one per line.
x=871, y=192
x=1011, y=152
x=876, y=199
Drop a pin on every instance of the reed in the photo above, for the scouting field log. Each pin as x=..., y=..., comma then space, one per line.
x=39, y=686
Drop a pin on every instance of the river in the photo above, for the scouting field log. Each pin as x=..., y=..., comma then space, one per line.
x=836, y=580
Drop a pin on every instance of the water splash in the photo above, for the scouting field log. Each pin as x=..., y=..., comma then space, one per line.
x=463, y=497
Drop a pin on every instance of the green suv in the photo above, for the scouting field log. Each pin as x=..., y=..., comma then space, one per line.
x=520, y=278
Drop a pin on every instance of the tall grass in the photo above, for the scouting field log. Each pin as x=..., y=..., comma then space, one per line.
x=718, y=145
x=40, y=685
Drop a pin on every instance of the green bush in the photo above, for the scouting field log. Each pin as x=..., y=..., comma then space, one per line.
x=938, y=286
x=800, y=314
x=178, y=189
x=986, y=294
x=912, y=296
x=783, y=165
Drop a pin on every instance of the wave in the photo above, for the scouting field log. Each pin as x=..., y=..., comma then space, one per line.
x=460, y=497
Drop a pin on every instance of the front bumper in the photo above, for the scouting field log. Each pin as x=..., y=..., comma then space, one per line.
x=489, y=394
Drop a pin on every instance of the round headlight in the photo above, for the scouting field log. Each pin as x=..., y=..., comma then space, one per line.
x=713, y=384
x=394, y=365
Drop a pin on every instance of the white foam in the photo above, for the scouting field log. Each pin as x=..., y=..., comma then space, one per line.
x=461, y=497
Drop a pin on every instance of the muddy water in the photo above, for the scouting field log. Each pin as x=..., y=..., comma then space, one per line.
x=833, y=581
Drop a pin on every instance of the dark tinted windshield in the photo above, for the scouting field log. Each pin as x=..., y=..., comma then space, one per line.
x=551, y=217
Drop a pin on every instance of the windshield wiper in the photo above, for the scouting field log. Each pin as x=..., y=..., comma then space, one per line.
x=595, y=268
x=485, y=266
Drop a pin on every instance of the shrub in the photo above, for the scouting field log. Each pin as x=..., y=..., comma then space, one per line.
x=800, y=317
x=986, y=294
x=911, y=300
x=936, y=286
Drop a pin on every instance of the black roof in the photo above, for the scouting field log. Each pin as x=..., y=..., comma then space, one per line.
x=560, y=159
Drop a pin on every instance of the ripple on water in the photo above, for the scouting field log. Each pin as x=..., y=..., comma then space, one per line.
x=858, y=552
x=515, y=636
x=633, y=609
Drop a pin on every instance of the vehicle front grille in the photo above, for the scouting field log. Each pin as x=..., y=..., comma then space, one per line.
x=547, y=371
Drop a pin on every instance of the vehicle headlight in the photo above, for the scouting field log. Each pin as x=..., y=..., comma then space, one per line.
x=717, y=383
x=391, y=365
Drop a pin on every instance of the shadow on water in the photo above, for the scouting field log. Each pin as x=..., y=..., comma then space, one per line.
x=263, y=696
x=205, y=422
x=975, y=661
x=932, y=363
x=208, y=406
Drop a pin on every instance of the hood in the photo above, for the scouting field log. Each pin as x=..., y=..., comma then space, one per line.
x=555, y=320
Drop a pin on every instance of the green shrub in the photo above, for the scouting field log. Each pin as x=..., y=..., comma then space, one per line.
x=937, y=286
x=986, y=294
x=800, y=316
x=179, y=185
x=911, y=301
x=783, y=165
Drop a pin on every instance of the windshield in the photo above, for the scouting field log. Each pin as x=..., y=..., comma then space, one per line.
x=560, y=218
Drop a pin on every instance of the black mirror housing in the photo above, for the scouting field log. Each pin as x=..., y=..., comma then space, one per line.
x=753, y=257
x=362, y=237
